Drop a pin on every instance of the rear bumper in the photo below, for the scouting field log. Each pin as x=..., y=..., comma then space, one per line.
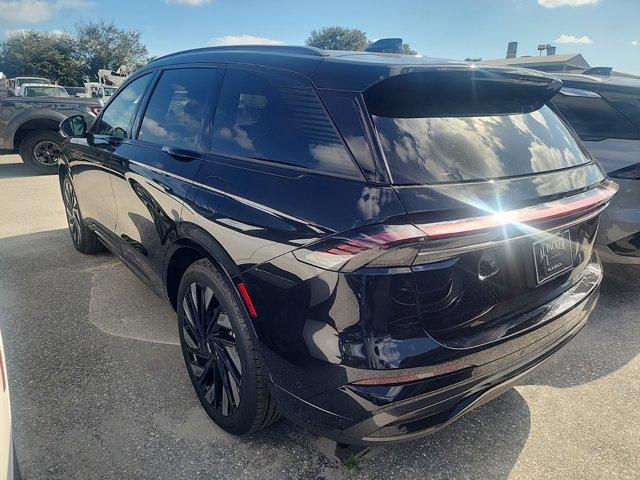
x=392, y=413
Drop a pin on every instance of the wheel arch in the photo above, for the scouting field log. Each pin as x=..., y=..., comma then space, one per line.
x=17, y=128
x=192, y=246
x=63, y=170
x=188, y=249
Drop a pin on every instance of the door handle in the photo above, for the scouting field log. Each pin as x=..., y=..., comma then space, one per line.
x=180, y=154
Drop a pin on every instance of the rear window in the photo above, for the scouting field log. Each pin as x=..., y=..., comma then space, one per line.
x=22, y=81
x=453, y=149
x=45, y=91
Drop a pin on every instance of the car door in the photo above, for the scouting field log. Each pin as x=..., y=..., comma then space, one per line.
x=153, y=173
x=90, y=161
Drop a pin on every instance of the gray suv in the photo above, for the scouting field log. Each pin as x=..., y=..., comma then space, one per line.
x=605, y=112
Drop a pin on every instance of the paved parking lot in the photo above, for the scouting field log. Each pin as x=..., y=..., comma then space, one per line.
x=99, y=389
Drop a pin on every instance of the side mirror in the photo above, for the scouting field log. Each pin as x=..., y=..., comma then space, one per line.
x=74, y=126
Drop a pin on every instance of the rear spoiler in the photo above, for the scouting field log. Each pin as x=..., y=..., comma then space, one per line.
x=460, y=90
x=386, y=45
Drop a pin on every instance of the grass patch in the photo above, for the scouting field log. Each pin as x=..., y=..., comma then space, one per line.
x=351, y=463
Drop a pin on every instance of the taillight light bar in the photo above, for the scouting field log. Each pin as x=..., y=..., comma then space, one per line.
x=404, y=245
x=543, y=212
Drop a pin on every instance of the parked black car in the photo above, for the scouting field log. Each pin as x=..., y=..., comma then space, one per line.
x=605, y=112
x=370, y=244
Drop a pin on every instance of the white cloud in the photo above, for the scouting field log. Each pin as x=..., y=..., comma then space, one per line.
x=566, y=3
x=36, y=11
x=584, y=40
x=190, y=3
x=244, y=40
x=635, y=43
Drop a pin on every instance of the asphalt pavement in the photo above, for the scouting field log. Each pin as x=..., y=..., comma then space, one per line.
x=99, y=389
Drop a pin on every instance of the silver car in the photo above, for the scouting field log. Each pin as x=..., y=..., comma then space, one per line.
x=8, y=465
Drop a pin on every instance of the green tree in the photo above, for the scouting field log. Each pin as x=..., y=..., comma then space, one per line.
x=103, y=45
x=342, y=38
x=338, y=38
x=408, y=50
x=45, y=54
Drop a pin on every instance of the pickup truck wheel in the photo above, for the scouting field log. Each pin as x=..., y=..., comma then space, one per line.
x=40, y=151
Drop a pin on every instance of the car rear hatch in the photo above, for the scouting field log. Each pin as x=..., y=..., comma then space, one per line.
x=505, y=195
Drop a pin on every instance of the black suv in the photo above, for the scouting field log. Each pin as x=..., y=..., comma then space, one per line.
x=369, y=244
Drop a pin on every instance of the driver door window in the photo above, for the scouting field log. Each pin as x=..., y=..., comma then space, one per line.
x=116, y=120
x=176, y=110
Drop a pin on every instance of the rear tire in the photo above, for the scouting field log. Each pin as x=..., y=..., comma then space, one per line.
x=83, y=238
x=215, y=341
x=40, y=150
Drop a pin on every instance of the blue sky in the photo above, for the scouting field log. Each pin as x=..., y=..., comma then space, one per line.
x=606, y=32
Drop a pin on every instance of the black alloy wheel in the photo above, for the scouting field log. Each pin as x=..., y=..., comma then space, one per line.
x=84, y=240
x=212, y=352
x=71, y=208
x=40, y=151
x=46, y=153
x=221, y=354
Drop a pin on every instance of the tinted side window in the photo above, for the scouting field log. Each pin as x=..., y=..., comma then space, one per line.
x=116, y=119
x=629, y=107
x=289, y=125
x=593, y=118
x=176, y=110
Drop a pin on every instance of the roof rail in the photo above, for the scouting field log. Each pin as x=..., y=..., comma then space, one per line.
x=291, y=49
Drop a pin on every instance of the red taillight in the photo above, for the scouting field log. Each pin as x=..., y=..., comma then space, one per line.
x=94, y=110
x=384, y=381
x=247, y=299
x=405, y=245
x=360, y=247
x=403, y=379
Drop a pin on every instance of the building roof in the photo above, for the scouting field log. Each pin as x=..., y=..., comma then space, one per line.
x=568, y=61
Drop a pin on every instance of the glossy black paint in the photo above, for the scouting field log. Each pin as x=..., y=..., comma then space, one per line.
x=320, y=331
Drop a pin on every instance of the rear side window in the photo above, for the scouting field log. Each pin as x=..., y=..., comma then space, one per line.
x=117, y=116
x=454, y=149
x=176, y=109
x=283, y=124
x=594, y=118
x=630, y=108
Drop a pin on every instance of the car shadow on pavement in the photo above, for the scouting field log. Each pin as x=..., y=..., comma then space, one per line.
x=608, y=342
x=99, y=388
x=15, y=170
